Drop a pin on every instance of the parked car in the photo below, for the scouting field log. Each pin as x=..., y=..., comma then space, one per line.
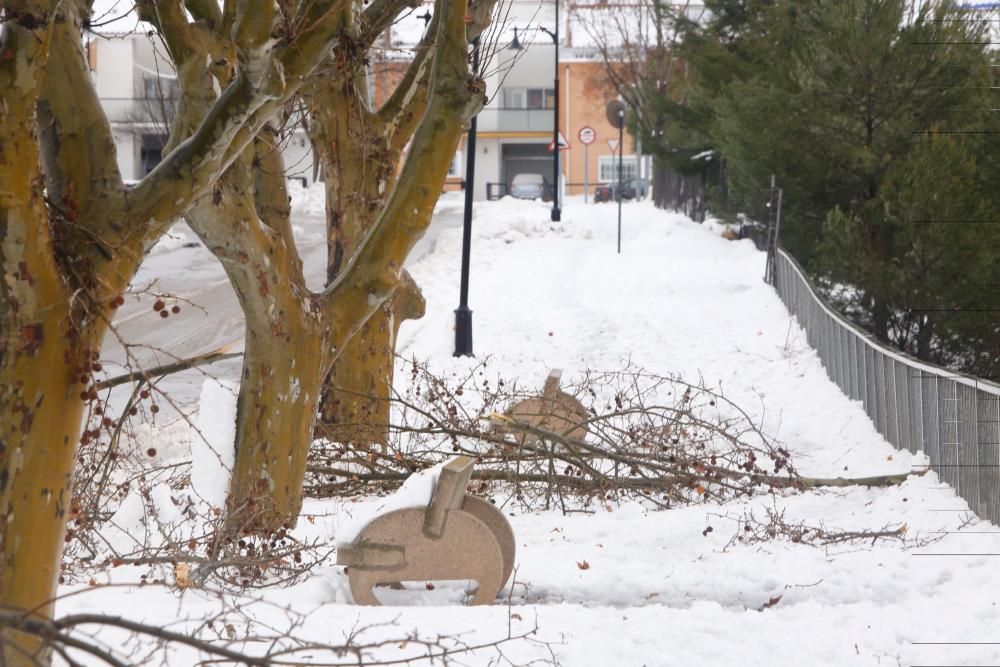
x=529, y=186
x=609, y=191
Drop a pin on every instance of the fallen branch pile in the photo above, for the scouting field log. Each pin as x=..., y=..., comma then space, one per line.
x=635, y=434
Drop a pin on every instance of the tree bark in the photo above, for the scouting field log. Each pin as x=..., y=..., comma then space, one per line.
x=274, y=421
x=40, y=409
x=345, y=131
x=355, y=404
x=286, y=352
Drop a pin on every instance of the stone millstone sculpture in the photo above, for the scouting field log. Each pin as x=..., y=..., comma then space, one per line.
x=457, y=536
x=555, y=411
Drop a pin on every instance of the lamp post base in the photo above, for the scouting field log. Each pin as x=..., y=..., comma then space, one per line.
x=556, y=214
x=463, y=332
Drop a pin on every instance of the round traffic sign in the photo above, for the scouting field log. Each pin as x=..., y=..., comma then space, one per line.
x=616, y=113
x=587, y=135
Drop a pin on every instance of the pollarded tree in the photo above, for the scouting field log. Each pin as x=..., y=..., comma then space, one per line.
x=360, y=147
x=293, y=334
x=72, y=236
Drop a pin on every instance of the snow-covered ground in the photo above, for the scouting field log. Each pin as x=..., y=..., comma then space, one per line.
x=625, y=585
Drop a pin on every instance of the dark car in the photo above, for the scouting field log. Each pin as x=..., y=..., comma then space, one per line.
x=609, y=191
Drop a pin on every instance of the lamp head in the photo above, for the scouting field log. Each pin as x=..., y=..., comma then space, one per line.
x=515, y=45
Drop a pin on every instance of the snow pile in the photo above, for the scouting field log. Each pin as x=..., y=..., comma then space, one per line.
x=512, y=220
x=416, y=491
x=212, y=451
x=309, y=200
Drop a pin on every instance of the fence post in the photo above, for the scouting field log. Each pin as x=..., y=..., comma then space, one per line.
x=773, y=230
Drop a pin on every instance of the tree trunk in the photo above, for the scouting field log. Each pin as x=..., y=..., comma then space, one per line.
x=40, y=408
x=286, y=351
x=925, y=334
x=659, y=183
x=355, y=405
x=41, y=412
x=345, y=132
x=280, y=389
x=45, y=365
x=880, y=318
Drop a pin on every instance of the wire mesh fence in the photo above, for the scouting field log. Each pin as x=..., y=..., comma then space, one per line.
x=954, y=419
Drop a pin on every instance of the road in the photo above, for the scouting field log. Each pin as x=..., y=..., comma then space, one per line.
x=181, y=271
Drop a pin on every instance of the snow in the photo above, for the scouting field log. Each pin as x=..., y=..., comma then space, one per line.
x=658, y=588
x=416, y=491
x=212, y=453
x=307, y=201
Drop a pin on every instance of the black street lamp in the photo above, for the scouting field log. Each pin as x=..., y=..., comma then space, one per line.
x=516, y=44
x=463, y=316
x=556, y=212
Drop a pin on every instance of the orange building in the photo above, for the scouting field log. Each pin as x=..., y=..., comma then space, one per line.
x=586, y=92
x=515, y=129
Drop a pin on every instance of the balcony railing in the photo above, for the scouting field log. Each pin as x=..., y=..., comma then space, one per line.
x=492, y=119
x=138, y=109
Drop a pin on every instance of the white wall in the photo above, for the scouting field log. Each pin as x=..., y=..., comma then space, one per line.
x=534, y=67
x=113, y=74
x=487, y=165
x=127, y=148
x=297, y=154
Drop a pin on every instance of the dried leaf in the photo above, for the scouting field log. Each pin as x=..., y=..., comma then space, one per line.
x=583, y=565
x=182, y=575
x=770, y=603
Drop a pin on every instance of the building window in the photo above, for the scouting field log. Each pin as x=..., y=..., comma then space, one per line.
x=159, y=88
x=513, y=98
x=529, y=98
x=609, y=168
x=455, y=168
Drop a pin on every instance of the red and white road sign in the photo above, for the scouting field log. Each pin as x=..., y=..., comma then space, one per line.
x=613, y=143
x=586, y=135
x=563, y=144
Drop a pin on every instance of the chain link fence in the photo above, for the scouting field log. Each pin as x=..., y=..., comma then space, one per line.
x=954, y=419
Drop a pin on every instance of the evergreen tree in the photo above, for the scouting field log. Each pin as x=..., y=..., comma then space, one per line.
x=862, y=81
x=875, y=117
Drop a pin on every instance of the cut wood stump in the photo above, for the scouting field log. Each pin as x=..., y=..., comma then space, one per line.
x=457, y=536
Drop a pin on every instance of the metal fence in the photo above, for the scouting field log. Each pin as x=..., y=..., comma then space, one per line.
x=954, y=419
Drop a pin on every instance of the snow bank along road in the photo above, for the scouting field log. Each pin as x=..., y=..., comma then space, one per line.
x=659, y=590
